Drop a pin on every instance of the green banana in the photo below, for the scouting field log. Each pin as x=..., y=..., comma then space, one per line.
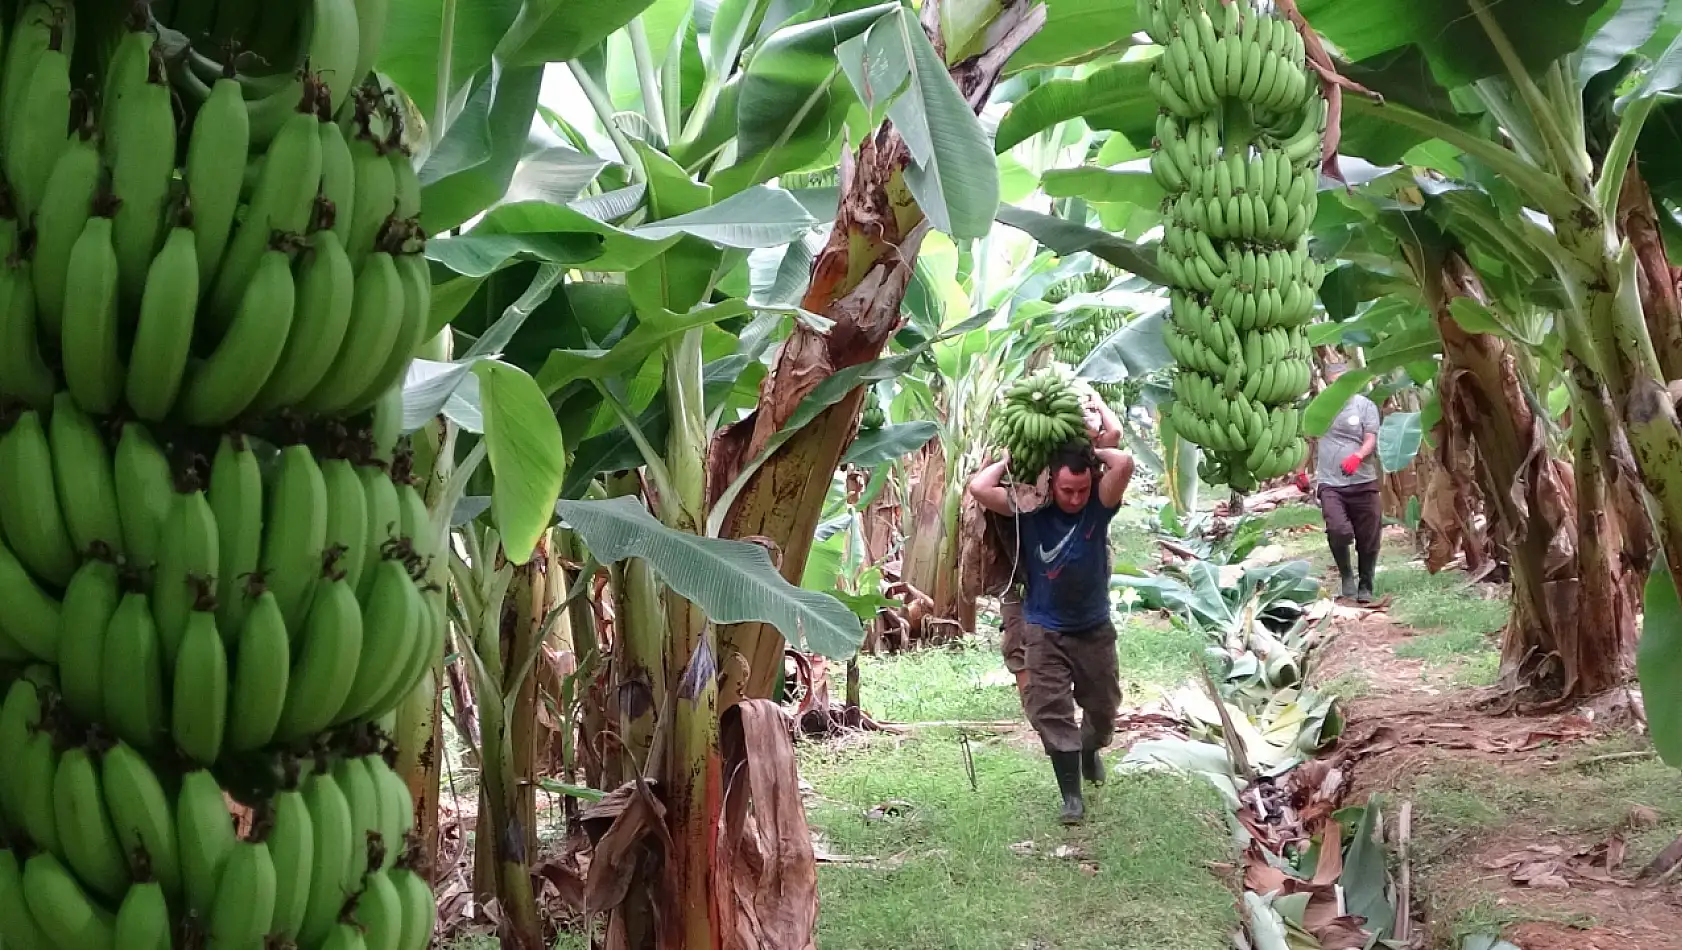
x=421, y=647
x=143, y=919
x=200, y=714
x=136, y=708
x=36, y=135
x=375, y=189
x=142, y=816
x=325, y=288
x=141, y=150
x=24, y=374
x=333, y=834
x=404, y=176
x=205, y=832
x=296, y=533
x=415, y=311
x=375, y=324
x=66, y=201
x=128, y=67
x=397, y=809
x=220, y=128
x=243, y=909
x=227, y=382
x=344, y=937
x=379, y=912
x=85, y=477
x=89, y=603
x=86, y=835
x=145, y=492
x=29, y=506
x=17, y=923
x=236, y=502
x=262, y=666
x=347, y=518
x=284, y=195
x=420, y=908
x=326, y=665
x=93, y=366
x=39, y=24
x=387, y=425
x=385, y=517
x=371, y=16
x=188, y=559
x=63, y=910
x=164, y=334
x=291, y=843
x=390, y=621
x=20, y=721
x=363, y=798
x=338, y=181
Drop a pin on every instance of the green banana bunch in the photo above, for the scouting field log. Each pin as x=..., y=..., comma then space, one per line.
x=873, y=417
x=1234, y=248
x=1040, y=414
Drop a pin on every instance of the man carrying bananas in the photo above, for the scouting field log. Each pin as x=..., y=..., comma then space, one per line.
x=1346, y=468
x=1006, y=574
x=1068, y=641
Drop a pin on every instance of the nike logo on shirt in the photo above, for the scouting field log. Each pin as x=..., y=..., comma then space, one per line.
x=1046, y=557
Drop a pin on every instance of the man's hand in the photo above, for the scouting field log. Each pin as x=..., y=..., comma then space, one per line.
x=1352, y=463
x=1101, y=423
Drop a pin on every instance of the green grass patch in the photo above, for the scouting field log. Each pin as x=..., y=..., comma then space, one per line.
x=1443, y=647
x=966, y=680
x=1291, y=517
x=1441, y=601
x=1346, y=686
x=946, y=876
x=1457, y=803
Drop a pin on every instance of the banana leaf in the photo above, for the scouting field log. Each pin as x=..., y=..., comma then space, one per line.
x=731, y=581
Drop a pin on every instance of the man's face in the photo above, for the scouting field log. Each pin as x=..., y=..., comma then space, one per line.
x=1071, y=490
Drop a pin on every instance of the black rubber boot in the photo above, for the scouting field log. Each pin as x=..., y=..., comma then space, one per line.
x=1369, y=567
x=1092, y=766
x=1066, y=765
x=1345, y=571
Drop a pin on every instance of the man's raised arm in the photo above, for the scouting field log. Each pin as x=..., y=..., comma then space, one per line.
x=1118, y=471
x=987, y=491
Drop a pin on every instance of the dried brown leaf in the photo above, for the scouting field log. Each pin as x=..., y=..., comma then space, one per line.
x=768, y=873
x=615, y=857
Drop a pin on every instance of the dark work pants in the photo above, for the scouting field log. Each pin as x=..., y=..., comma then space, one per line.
x=1353, y=513
x=1066, y=671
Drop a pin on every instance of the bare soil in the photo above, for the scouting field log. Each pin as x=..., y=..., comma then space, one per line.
x=1517, y=822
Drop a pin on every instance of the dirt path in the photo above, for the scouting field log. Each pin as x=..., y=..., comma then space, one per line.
x=1532, y=827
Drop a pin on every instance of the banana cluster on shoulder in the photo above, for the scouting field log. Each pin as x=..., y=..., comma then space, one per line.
x=1040, y=414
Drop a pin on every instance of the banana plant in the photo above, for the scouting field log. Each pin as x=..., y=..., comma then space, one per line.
x=665, y=223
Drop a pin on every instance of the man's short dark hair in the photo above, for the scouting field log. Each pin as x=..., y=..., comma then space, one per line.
x=1076, y=458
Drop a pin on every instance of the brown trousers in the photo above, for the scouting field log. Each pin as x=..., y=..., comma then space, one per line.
x=1354, y=513
x=1011, y=639
x=1065, y=671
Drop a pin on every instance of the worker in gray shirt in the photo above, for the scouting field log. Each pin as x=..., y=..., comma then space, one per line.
x=1347, y=472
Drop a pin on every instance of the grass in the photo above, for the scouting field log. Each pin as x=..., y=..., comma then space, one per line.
x=1457, y=627
x=945, y=874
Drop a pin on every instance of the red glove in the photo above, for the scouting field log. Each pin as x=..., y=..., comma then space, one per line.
x=1302, y=481
x=1352, y=463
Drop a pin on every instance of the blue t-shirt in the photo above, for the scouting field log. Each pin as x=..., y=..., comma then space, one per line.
x=1067, y=560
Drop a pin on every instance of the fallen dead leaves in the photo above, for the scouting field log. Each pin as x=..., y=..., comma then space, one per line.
x=1555, y=868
